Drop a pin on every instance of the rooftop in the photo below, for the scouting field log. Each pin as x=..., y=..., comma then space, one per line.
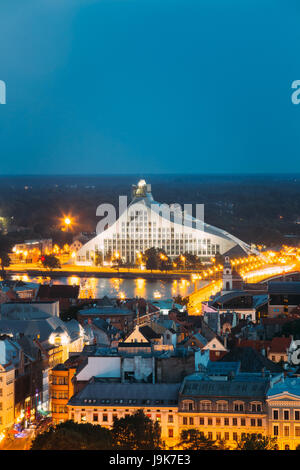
x=105, y=310
x=289, y=385
x=242, y=385
x=58, y=291
x=289, y=287
x=96, y=351
x=221, y=368
x=149, y=333
x=251, y=360
x=98, y=393
x=221, y=299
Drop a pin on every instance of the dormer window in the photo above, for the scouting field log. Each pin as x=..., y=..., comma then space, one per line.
x=205, y=405
x=256, y=407
x=238, y=406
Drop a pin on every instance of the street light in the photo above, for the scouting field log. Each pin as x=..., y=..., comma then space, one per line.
x=183, y=258
x=67, y=222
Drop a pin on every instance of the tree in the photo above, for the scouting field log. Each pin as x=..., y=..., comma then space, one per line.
x=156, y=259
x=151, y=256
x=257, y=442
x=108, y=256
x=98, y=258
x=164, y=263
x=219, y=259
x=5, y=248
x=117, y=262
x=181, y=300
x=70, y=313
x=73, y=436
x=136, y=432
x=188, y=261
x=192, y=439
x=50, y=262
x=292, y=328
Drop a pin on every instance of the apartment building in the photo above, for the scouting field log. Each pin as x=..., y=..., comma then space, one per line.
x=283, y=402
x=62, y=388
x=100, y=402
x=9, y=359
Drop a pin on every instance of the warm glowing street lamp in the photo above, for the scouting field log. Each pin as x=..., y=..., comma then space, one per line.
x=67, y=222
x=122, y=296
x=183, y=259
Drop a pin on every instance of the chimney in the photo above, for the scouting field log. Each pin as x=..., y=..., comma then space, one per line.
x=230, y=375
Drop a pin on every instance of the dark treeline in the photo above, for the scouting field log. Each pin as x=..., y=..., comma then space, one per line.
x=258, y=209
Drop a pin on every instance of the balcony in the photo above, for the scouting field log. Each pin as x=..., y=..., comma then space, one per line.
x=230, y=409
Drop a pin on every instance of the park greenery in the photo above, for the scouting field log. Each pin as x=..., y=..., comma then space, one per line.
x=157, y=259
x=135, y=432
x=193, y=439
x=257, y=442
x=256, y=209
x=5, y=248
x=50, y=262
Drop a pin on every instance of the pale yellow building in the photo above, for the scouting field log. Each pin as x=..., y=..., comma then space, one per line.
x=62, y=389
x=9, y=357
x=225, y=406
x=284, y=413
x=7, y=396
x=99, y=402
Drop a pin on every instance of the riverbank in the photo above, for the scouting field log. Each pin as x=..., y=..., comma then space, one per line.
x=87, y=271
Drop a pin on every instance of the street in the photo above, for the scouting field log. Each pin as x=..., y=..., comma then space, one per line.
x=18, y=443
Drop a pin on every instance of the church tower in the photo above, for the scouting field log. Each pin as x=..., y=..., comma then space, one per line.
x=227, y=276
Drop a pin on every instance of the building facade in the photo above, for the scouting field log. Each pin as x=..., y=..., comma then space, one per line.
x=100, y=403
x=224, y=406
x=146, y=223
x=284, y=413
x=9, y=360
x=284, y=297
x=62, y=389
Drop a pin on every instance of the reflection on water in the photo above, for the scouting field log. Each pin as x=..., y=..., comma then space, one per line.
x=116, y=287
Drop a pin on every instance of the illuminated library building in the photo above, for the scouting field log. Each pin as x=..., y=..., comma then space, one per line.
x=146, y=224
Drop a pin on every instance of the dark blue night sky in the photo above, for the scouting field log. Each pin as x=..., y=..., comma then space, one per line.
x=152, y=86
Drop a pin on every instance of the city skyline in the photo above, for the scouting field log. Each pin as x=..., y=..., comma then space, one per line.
x=149, y=228
x=157, y=87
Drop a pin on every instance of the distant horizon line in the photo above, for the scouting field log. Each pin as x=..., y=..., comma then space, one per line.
x=139, y=174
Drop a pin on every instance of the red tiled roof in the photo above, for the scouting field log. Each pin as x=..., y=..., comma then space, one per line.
x=258, y=345
x=280, y=345
x=58, y=291
x=141, y=303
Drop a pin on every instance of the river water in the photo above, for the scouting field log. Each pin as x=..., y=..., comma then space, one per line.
x=115, y=287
